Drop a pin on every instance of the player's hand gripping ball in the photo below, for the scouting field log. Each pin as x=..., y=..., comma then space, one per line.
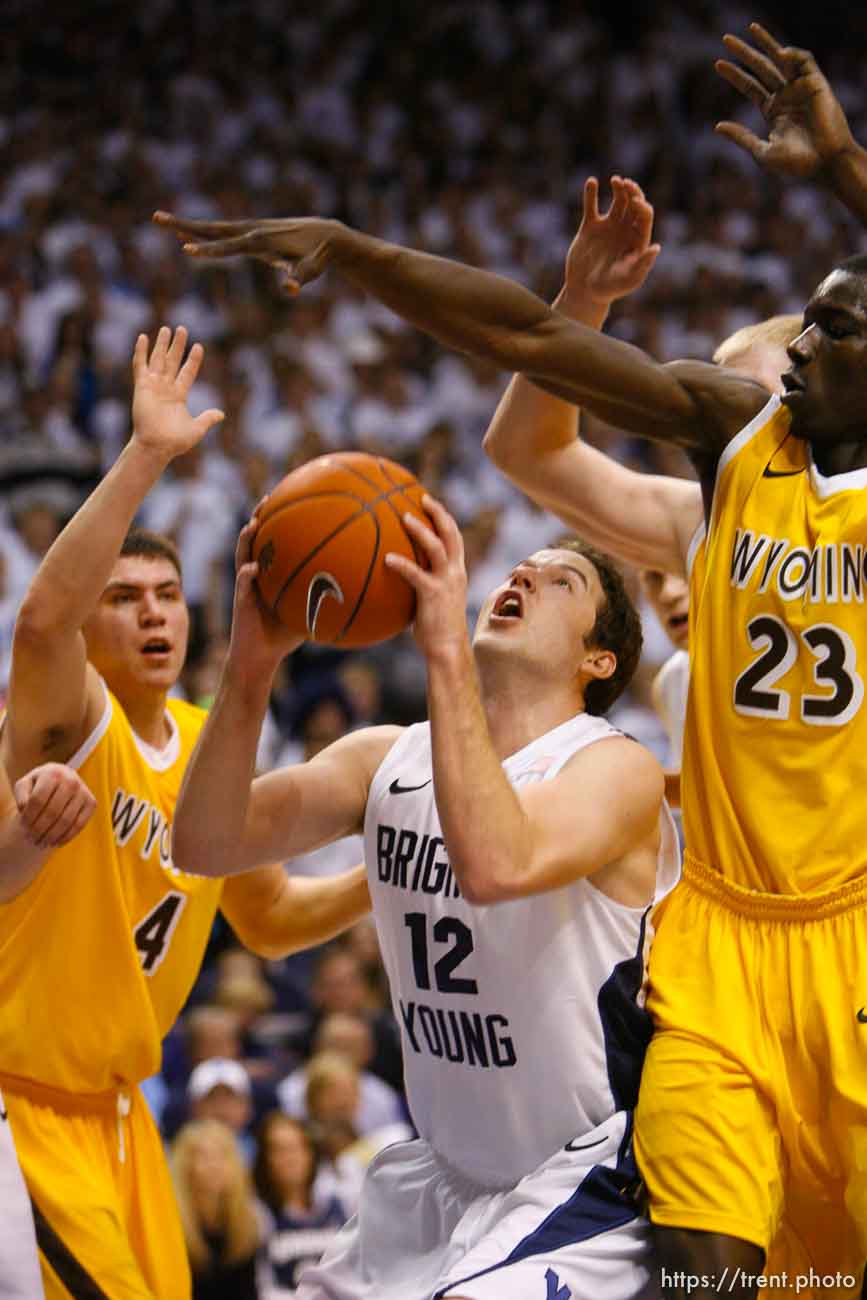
x=322, y=538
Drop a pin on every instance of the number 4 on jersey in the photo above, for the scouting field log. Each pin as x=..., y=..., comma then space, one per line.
x=153, y=934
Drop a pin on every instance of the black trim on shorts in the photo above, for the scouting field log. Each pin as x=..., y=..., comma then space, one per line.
x=69, y=1270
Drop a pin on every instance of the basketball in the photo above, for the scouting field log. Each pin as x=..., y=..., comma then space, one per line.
x=324, y=533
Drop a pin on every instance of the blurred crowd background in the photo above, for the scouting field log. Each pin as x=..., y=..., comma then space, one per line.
x=466, y=127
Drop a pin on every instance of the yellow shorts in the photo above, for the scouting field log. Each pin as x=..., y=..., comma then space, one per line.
x=752, y=1116
x=106, y=1219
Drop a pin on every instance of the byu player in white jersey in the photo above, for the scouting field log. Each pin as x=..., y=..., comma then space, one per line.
x=515, y=846
x=48, y=807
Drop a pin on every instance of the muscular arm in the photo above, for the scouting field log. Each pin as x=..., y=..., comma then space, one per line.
x=54, y=697
x=48, y=645
x=692, y=404
x=226, y=821
x=275, y=914
x=506, y=844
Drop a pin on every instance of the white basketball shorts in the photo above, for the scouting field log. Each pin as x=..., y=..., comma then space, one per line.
x=568, y=1231
x=20, y=1278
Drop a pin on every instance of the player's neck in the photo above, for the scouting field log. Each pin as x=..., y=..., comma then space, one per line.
x=839, y=458
x=146, y=714
x=519, y=710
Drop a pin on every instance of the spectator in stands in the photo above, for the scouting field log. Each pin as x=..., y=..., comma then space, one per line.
x=304, y=1217
x=348, y=1035
x=222, y=1226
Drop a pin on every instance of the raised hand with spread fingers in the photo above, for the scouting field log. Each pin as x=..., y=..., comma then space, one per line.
x=808, y=134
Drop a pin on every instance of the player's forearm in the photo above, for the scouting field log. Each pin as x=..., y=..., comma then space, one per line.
x=528, y=422
x=74, y=572
x=485, y=830
x=846, y=175
x=306, y=912
x=475, y=311
x=209, y=831
x=464, y=307
x=20, y=859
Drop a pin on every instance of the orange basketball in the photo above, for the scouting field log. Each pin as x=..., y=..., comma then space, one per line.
x=322, y=539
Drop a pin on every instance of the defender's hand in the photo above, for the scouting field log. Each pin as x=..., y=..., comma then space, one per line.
x=161, y=420
x=807, y=127
x=54, y=804
x=611, y=255
x=298, y=247
x=440, y=591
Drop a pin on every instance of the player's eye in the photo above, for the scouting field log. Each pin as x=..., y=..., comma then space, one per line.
x=562, y=582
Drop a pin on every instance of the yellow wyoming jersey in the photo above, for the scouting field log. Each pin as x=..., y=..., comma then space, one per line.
x=775, y=748
x=98, y=955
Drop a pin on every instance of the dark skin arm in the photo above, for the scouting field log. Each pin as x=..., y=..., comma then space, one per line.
x=692, y=404
x=808, y=134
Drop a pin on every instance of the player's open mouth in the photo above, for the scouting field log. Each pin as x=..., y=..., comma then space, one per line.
x=509, y=604
x=677, y=621
x=157, y=646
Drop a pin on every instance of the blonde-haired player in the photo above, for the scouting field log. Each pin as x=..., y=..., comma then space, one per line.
x=98, y=954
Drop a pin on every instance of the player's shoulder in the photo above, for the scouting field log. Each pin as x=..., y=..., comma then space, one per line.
x=726, y=401
x=367, y=747
x=620, y=754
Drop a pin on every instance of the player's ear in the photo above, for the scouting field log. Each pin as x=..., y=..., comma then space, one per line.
x=598, y=663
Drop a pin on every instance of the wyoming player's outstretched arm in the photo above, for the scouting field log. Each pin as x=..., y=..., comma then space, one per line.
x=47, y=808
x=227, y=820
x=48, y=647
x=694, y=405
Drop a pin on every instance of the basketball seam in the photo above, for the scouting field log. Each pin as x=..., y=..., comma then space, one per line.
x=341, y=492
x=310, y=555
x=386, y=497
x=348, y=624
x=419, y=556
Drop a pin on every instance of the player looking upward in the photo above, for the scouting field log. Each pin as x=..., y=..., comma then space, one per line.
x=515, y=845
x=774, y=892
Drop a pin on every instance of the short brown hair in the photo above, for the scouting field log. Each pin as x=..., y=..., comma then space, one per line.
x=153, y=546
x=617, y=628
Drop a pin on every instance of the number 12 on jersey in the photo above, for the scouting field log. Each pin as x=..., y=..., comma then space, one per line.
x=448, y=930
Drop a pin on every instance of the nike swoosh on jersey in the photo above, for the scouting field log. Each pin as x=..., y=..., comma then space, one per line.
x=767, y=472
x=572, y=1146
x=862, y=1019
x=397, y=788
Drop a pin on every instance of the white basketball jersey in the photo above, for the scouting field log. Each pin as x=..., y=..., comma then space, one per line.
x=522, y=1023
